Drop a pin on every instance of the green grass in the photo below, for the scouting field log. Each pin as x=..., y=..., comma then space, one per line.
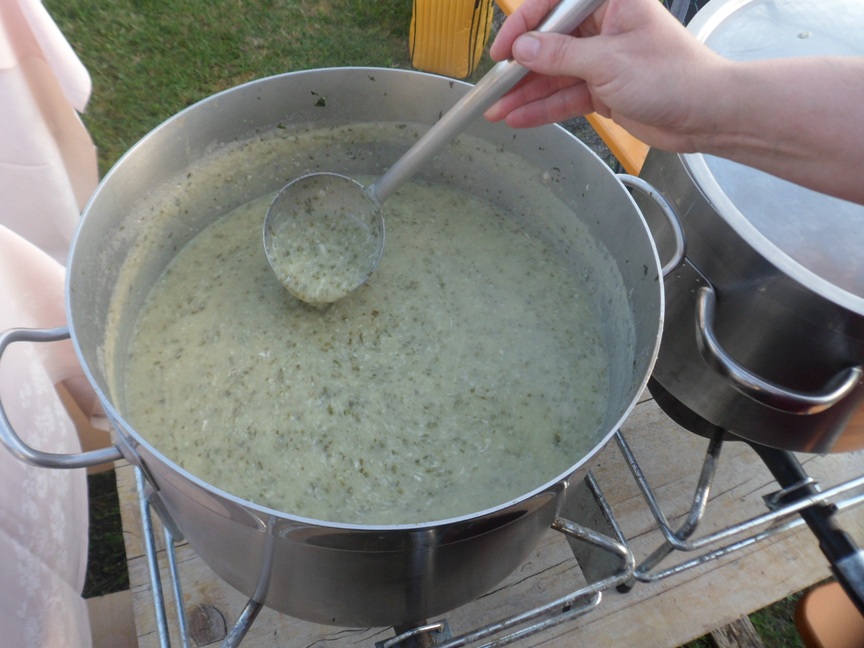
x=106, y=558
x=149, y=59
x=776, y=626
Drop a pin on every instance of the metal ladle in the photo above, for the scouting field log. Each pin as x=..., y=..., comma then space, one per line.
x=324, y=232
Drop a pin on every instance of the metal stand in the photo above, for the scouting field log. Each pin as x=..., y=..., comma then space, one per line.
x=782, y=516
x=607, y=544
x=598, y=544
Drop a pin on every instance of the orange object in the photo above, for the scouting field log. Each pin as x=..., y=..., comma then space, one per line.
x=628, y=150
x=508, y=6
x=827, y=618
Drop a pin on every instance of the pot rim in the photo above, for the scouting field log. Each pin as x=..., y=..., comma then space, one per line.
x=551, y=485
x=698, y=167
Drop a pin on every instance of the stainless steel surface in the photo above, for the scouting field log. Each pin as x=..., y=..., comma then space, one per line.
x=363, y=204
x=788, y=225
x=16, y=445
x=597, y=537
x=783, y=262
x=755, y=387
x=347, y=574
x=323, y=237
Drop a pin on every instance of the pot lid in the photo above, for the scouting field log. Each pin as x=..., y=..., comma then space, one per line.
x=814, y=238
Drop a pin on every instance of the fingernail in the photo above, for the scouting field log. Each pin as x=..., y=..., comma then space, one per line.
x=526, y=48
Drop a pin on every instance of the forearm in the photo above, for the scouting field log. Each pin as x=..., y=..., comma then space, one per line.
x=800, y=119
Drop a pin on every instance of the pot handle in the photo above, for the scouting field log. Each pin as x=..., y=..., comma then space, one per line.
x=635, y=182
x=13, y=442
x=758, y=389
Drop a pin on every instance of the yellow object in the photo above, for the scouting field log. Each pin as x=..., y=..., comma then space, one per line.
x=448, y=36
x=628, y=150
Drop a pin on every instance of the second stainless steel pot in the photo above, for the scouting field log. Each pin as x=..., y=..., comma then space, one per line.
x=765, y=321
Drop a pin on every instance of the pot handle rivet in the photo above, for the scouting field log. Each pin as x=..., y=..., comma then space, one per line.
x=754, y=387
x=635, y=182
x=13, y=442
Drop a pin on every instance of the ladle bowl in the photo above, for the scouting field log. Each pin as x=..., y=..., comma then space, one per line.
x=323, y=237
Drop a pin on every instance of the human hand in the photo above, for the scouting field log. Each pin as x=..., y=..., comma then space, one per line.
x=630, y=61
x=633, y=62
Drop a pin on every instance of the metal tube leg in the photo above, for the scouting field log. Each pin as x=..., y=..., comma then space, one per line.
x=697, y=510
x=152, y=562
x=244, y=622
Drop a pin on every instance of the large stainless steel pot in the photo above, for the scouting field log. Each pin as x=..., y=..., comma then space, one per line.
x=339, y=573
x=765, y=320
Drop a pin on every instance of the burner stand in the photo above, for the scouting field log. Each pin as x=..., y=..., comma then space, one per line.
x=605, y=557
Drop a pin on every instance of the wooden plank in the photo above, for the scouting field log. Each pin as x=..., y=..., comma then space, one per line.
x=738, y=634
x=112, y=624
x=665, y=613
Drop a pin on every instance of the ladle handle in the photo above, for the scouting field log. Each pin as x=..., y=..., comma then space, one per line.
x=14, y=443
x=564, y=18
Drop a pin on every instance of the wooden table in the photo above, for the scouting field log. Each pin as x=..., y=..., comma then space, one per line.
x=669, y=612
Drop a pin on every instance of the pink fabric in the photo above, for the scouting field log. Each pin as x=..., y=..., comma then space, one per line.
x=47, y=172
x=47, y=160
x=43, y=512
